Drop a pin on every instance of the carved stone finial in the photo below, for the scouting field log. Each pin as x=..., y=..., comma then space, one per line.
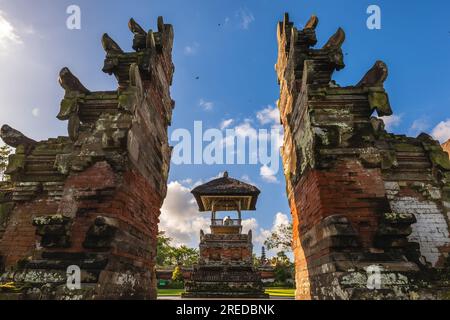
x=376, y=76
x=336, y=40
x=136, y=28
x=15, y=138
x=109, y=45
x=160, y=24
x=312, y=23
x=71, y=83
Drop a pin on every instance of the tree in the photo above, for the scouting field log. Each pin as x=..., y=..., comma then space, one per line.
x=177, y=275
x=164, y=250
x=168, y=255
x=256, y=261
x=185, y=256
x=5, y=151
x=280, y=238
x=283, y=267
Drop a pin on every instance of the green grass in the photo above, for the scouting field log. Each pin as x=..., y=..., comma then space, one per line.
x=274, y=292
x=281, y=292
x=170, y=292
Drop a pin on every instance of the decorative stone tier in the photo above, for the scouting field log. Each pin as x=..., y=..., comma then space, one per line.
x=93, y=199
x=209, y=281
x=225, y=269
x=361, y=199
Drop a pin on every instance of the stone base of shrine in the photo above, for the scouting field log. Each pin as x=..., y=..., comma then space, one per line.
x=225, y=282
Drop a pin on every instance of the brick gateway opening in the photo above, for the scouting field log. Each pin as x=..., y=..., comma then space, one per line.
x=365, y=203
x=92, y=199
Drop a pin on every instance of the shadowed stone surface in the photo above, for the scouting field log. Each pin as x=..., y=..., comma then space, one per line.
x=361, y=199
x=93, y=199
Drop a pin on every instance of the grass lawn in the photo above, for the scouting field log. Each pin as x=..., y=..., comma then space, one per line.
x=275, y=292
x=170, y=292
x=281, y=292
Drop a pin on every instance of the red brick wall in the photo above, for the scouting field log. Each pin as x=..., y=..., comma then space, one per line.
x=348, y=190
x=19, y=238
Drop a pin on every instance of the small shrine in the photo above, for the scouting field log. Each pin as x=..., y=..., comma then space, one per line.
x=225, y=267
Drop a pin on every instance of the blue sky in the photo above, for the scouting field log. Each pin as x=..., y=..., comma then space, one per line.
x=231, y=47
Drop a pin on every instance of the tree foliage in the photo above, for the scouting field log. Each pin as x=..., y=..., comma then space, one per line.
x=280, y=238
x=283, y=267
x=168, y=255
x=177, y=275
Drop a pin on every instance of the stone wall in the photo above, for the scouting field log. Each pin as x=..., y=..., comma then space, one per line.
x=362, y=199
x=93, y=199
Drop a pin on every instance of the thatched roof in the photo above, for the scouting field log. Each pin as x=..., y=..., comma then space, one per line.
x=226, y=186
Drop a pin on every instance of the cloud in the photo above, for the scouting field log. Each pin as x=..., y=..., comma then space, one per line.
x=268, y=115
x=191, y=50
x=420, y=125
x=245, y=18
x=246, y=129
x=268, y=174
x=280, y=220
x=8, y=33
x=180, y=218
x=260, y=235
x=206, y=105
x=226, y=123
x=36, y=112
x=442, y=131
x=246, y=178
x=391, y=122
x=249, y=224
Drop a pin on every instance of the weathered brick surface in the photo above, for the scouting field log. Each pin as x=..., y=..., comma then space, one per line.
x=360, y=197
x=93, y=199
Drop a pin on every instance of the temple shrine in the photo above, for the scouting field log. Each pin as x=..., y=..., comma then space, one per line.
x=225, y=267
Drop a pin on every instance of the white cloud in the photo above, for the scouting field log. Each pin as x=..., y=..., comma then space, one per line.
x=246, y=129
x=206, y=105
x=187, y=181
x=226, y=123
x=268, y=115
x=36, y=112
x=268, y=174
x=245, y=18
x=180, y=218
x=260, y=235
x=391, y=122
x=420, y=125
x=280, y=219
x=247, y=179
x=8, y=33
x=192, y=49
x=442, y=131
x=249, y=224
